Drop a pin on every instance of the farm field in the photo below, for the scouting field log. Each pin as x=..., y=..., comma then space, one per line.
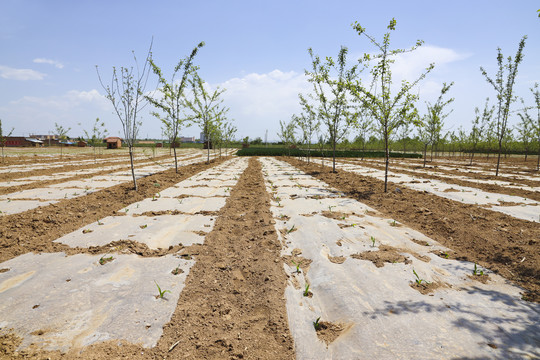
x=268, y=258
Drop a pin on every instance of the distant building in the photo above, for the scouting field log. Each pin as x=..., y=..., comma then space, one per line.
x=44, y=137
x=20, y=141
x=185, y=139
x=113, y=142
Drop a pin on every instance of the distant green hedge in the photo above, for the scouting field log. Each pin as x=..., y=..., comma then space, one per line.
x=261, y=151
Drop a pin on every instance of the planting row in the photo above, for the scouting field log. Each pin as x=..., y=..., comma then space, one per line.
x=24, y=200
x=60, y=302
x=518, y=207
x=362, y=286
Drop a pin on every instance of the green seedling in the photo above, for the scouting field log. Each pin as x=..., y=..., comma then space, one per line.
x=418, y=280
x=316, y=324
x=393, y=223
x=306, y=290
x=477, y=272
x=161, y=293
x=9, y=200
x=372, y=241
x=156, y=184
x=177, y=270
x=143, y=226
x=86, y=231
x=126, y=210
x=99, y=222
x=330, y=207
x=65, y=196
x=446, y=256
x=103, y=260
x=298, y=271
x=291, y=229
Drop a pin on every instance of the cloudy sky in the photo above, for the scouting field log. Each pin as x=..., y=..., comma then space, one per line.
x=256, y=50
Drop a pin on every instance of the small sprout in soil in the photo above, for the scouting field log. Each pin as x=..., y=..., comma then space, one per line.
x=161, y=293
x=306, y=290
x=86, y=231
x=372, y=241
x=418, y=280
x=9, y=200
x=143, y=226
x=477, y=272
x=393, y=223
x=126, y=210
x=297, y=266
x=65, y=196
x=156, y=184
x=330, y=207
x=445, y=254
x=103, y=260
x=316, y=324
x=99, y=222
x=291, y=229
x=177, y=270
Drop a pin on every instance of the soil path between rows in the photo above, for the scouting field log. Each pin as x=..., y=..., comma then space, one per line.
x=35, y=230
x=499, y=242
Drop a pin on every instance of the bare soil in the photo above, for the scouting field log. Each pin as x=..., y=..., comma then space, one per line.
x=498, y=242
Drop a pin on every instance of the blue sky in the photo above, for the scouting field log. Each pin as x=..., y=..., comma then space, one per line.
x=256, y=50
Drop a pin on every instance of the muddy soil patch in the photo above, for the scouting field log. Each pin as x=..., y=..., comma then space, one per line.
x=496, y=241
x=328, y=331
x=385, y=254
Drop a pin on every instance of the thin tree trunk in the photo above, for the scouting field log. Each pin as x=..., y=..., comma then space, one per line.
x=175, y=161
x=498, y=159
x=334, y=151
x=387, y=156
x=472, y=154
x=425, y=154
x=132, y=168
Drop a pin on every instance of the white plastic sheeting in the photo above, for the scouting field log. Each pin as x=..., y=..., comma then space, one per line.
x=383, y=316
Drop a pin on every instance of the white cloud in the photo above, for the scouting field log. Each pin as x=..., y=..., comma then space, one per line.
x=57, y=64
x=31, y=114
x=258, y=101
x=410, y=65
x=10, y=73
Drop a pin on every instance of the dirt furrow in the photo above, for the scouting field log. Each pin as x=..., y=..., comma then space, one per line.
x=502, y=243
x=233, y=303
